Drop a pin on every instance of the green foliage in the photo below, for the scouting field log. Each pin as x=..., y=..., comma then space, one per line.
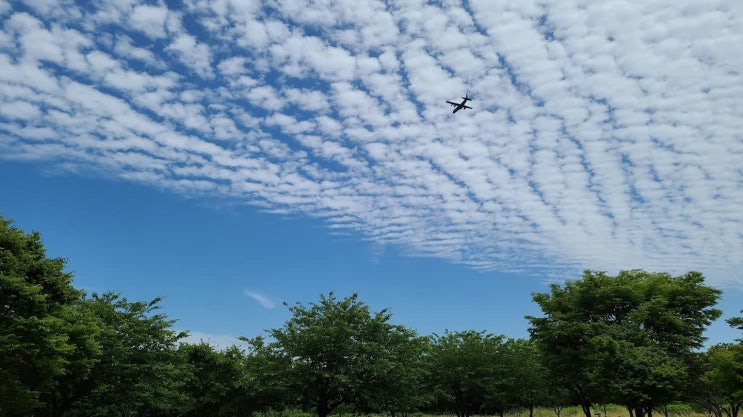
x=467, y=371
x=527, y=378
x=84, y=332
x=393, y=372
x=639, y=376
x=736, y=322
x=216, y=381
x=40, y=336
x=721, y=387
x=139, y=370
x=626, y=338
x=266, y=376
x=336, y=352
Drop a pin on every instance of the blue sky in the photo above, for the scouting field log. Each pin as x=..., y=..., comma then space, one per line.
x=231, y=155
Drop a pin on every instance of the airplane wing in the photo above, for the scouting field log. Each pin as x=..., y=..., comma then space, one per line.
x=452, y=103
x=467, y=107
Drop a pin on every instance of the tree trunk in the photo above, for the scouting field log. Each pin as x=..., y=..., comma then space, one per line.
x=585, y=403
x=586, y=408
x=322, y=409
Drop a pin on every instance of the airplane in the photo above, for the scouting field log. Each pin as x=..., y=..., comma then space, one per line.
x=462, y=105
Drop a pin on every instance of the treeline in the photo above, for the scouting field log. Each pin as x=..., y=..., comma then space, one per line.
x=634, y=339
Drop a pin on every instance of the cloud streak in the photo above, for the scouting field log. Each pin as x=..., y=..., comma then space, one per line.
x=603, y=136
x=260, y=298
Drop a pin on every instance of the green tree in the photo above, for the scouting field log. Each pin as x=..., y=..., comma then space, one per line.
x=393, y=373
x=83, y=332
x=467, y=371
x=722, y=382
x=624, y=338
x=736, y=322
x=527, y=380
x=641, y=377
x=42, y=336
x=336, y=352
x=139, y=370
x=558, y=396
x=216, y=381
x=267, y=376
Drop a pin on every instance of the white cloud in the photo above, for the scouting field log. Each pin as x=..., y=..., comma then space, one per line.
x=22, y=110
x=233, y=66
x=125, y=48
x=193, y=54
x=260, y=298
x=603, y=135
x=149, y=20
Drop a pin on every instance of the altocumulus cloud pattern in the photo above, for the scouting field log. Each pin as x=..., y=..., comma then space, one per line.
x=604, y=134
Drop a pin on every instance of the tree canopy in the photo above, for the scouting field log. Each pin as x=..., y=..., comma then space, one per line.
x=337, y=352
x=467, y=372
x=138, y=351
x=40, y=334
x=624, y=338
x=736, y=322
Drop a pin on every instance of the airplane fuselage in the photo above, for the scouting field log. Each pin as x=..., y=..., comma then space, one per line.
x=462, y=105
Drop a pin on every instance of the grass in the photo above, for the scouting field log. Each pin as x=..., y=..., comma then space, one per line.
x=674, y=410
x=612, y=410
